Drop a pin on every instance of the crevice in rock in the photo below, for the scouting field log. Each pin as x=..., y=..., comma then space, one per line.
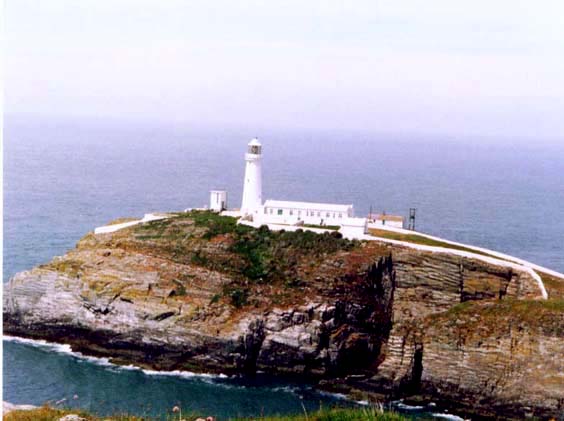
x=252, y=344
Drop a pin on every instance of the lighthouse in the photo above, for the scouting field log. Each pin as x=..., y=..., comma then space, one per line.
x=252, y=189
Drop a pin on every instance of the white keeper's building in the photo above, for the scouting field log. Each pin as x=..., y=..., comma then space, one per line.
x=291, y=213
x=282, y=212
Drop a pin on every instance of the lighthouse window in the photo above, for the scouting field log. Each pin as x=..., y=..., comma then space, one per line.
x=280, y=211
x=254, y=149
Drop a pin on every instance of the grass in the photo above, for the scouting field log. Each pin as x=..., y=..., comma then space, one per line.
x=420, y=239
x=425, y=241
x=357, y=414
x=44, y=413
x=324, y=227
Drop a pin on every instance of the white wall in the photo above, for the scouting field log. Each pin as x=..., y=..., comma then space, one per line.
x=391, y=224
x=252, y=189
x=218, y=200
x=293, y=215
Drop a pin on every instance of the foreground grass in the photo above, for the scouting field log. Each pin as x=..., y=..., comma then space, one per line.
x=358, y=414
x=363, y=414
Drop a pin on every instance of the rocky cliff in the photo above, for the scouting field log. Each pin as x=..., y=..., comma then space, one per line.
x=199, y=292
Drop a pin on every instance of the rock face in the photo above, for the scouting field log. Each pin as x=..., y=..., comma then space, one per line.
x=197, y=292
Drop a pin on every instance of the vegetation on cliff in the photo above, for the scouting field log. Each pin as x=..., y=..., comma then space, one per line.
x=250, y=257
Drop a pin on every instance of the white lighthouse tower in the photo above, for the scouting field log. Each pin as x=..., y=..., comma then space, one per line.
x=252, y=189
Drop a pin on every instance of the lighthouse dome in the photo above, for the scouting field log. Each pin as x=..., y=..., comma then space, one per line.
x=254, y=142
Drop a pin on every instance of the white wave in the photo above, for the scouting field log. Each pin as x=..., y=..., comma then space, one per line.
x=40, y=343
x=447, y=416
x=363, y=403
x=105, y=362
x=181, y=373
x=339, y=396
x=287, y=389
x=406, y=407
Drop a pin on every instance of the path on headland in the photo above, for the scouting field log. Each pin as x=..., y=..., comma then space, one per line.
x=9, y=407
x=105, y=229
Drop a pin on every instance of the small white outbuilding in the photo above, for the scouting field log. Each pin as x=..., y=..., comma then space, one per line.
x=218, y=200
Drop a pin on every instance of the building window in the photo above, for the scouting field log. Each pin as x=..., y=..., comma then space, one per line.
x=299, y=213
x=318, y=213
x=270, y=211
x=265, y=210
x=328, y=215
x=340, y=215
x=291, y=212
x=280, y=211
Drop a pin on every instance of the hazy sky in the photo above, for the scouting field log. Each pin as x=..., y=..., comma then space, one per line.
x=491, y=67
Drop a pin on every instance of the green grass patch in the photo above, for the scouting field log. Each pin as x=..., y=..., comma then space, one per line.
x=356, y=414
x=425, y=241
x=273, y=255
x=217, y=224
x=324, y=227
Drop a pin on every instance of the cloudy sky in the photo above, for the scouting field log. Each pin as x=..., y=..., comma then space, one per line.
x=432, y=66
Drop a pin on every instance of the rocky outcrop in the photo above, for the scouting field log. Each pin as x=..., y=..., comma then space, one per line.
x=197, y=292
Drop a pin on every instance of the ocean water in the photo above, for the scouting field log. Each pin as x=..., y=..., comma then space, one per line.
x=62, y=178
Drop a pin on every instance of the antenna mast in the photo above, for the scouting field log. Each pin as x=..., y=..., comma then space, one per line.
x=412, y=219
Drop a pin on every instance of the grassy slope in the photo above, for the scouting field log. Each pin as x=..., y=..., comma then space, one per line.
x=361, y=414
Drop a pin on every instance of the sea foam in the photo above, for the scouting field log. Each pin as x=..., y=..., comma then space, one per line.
x=105, y=362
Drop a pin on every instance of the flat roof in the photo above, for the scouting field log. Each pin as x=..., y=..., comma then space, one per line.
x=286, y=204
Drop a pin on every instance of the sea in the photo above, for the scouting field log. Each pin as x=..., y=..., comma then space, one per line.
x=63, y=177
